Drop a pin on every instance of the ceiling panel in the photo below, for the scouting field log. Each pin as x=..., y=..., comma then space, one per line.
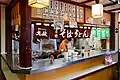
x=112, y=7
x=79, y=1
x=116, y=11
x=101, y=1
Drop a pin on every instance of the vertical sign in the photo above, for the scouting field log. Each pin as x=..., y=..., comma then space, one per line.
x=51, y=9
x=103, y=33
x=80, y=14
x=94, y=32
x=46, y=12
x=107, y=32
x=56, y=10
x=98, y=32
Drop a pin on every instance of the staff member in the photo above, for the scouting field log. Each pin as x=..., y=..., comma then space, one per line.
x=64, y=49
x=63, y=46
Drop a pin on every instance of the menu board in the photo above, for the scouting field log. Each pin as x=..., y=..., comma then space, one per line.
x=94, y=31
x=107, y=32
x=63, y=11
x=39, y=12
x=56, y=10
x=98, y=32
x=80, y=14
x=71, y=12
x=103, y=33
x=46, y=12
x=51, y=9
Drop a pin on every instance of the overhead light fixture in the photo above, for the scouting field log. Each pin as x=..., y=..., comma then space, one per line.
x=38, y=3
x=118, y=1
x=113, y=0
x=97, y=10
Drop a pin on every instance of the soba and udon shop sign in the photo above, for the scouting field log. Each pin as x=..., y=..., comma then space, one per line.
x=46, y=31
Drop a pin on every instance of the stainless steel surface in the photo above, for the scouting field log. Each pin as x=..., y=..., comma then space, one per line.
x=41, y=65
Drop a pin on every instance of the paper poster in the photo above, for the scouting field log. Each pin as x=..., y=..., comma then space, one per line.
x=59, y=24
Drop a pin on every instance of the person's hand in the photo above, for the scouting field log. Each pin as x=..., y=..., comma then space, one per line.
x=65, y=50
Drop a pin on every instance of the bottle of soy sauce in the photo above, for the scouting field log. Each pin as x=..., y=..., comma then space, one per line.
x=83, y=51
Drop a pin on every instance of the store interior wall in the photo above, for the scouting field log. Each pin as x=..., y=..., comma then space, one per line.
x=116, y=34
x=2, y=29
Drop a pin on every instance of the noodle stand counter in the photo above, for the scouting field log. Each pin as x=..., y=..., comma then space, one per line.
x=76, y=65
x=78, y=68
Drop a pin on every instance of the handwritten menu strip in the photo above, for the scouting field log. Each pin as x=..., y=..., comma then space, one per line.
x=46, y=12
x=56, y=11
x=51, y=9
x=63, y=11
x=80, y=14
x=71, y=12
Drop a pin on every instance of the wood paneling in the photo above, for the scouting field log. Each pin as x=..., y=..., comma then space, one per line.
x=0, y=37
x=15, y=14
x=60, y=72
x=106, y=74
x=112, y=32
x=5, y=1
x=88, y=14
x=107, y=17
x=8, y=30
x=35, y=13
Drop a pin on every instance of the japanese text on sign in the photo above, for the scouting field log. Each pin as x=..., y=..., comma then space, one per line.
x=64, y=33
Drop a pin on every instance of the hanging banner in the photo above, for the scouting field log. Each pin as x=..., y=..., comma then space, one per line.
x=43, y=32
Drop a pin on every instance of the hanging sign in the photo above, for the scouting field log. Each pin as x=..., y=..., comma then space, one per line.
x=49, y=32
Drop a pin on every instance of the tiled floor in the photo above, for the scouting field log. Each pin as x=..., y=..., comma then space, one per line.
x=2, y=77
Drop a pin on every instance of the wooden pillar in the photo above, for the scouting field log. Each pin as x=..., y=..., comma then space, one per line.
x=8, y=30
x=0, y=37
x=112, y=32
x=25, y=34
